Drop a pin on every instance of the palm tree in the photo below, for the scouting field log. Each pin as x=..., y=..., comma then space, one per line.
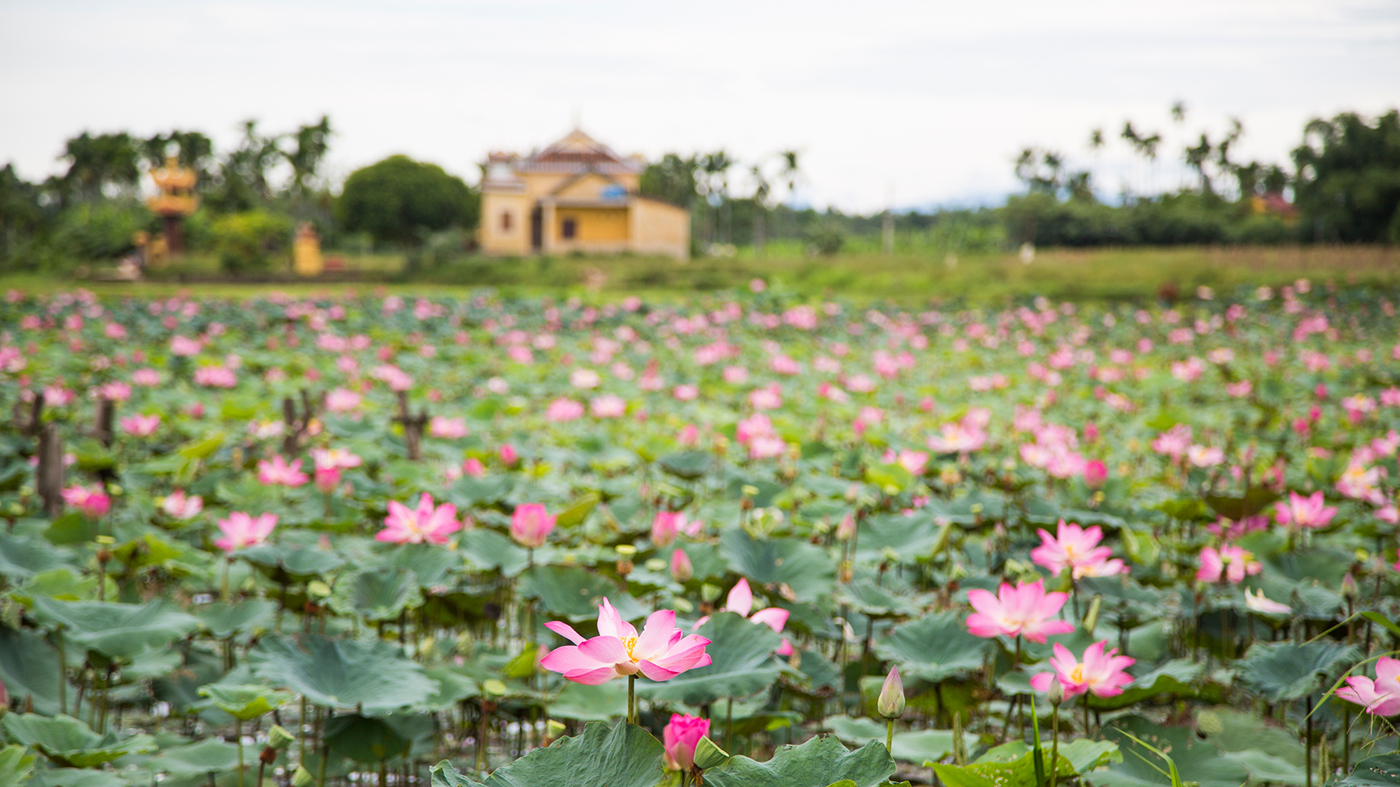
x=1196, y=157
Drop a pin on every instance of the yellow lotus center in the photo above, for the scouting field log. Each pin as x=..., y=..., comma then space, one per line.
x=1069, y=551
x=1078, y=674
x=628, y=643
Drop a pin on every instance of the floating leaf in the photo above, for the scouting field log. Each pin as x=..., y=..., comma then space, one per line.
x=69, y=742
x=935, y=647
x=116, y=630
x=622, y=756
x=909, y=746
x=245, y=703
x=1282, y=671
x=338, y=673
x=816, y=763
x=575, y=593
x=377, y=594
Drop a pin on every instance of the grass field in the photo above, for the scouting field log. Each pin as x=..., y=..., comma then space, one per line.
x=1099, y=274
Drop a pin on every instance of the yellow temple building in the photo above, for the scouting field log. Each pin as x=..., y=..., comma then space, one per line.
x=575, y=195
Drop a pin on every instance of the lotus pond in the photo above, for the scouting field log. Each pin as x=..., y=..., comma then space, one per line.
x=747, y=540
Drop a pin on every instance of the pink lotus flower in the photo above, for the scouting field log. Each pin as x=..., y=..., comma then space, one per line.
x=957, y=438
x=509, y=456
x=473, y=467
x=327, y=479
x=1174, y=442
x=681, y=736
x=148, y=378
x=563, y=410
x=241, y=530
x=342, y=400
x=140, y=425
x=215, y=377
x=1205, y=456
x=668, y=524
x=740, y=602
x=608, y=406
x=1229, y=563
x=530, y=524
x=1380, y=697
x=427, y=522
x=93, y=502
x=1095, y=473
x=338, y=458
x=1300, y=511
x=660, y=652
x=681, y=568
x=184, y=346
x=278, y=473
x=1100, y=673
x=447, y=428
x=178, y=505
x=1025, y=610
x=1076, y=548
x=913, y=461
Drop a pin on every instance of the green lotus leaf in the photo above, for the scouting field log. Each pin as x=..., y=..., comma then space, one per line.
x=1270, y=754
x=916, y=746
x=376, y=594
x=808, y=570
x=370, y=674
x=287, y=564
x=364, y=740
x=816, y=763
x=1173, y=677
x=223, y=619
x=210, y=755
x=431, y=564
x=1379, y=771
x=22, y=558
x=1196, y=760
x=621, y=756
x=1083, y=754
x=742, y=663
x=29, y=669
x=245, y=702
x=935, y=647
x=114, y=629
x=590, y=703
x=873, y=600
x=68, y=742
x=1282, y=671
x=76, y=777
x=490, y=550
x=911, y=537
x=995, y=772
x=62, y=584
x=689, y=465
x=574, y=592
x=16, y=763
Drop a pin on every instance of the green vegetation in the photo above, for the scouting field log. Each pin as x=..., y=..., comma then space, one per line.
x=909, y=277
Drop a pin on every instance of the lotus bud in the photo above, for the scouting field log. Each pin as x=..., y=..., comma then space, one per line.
x=891, y=701
x=4, y=698
x=1056, y=692
x=1349, y=589
x=847, y=528
x=303, y=778
x=681, y=567
x=279, y=738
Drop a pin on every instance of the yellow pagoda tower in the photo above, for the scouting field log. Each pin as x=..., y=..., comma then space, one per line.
x=175, y=201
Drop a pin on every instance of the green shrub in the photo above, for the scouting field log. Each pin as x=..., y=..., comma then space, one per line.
x=101, y=230
x=247, y=241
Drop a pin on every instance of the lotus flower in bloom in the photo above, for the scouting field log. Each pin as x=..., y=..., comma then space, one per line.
x=1262, y=603
x=242, y=530
x=93, y=502
x=740, y=602
x=140, y=425
x=957, y=438
x=562, y=410
x=342, y=400
x=1229, y=562
x=1380, y=697
x=179, y=505
x=660, y=652
x=530, y=524
x=681, y=736
x=447, y=428
x=1025, y=610
x=1076, y=548
x=1099, y=673
x=425, y=523
x=279, y=473
x=1300, y=511
x=668, y=524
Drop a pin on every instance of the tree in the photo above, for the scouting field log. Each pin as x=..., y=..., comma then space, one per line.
x=1348, y=182
x=243, y=174
x=309, y=146
x=99, y=163
x=672, y=178
x=397, y=199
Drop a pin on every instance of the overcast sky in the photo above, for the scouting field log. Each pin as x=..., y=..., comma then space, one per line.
x=928, y=101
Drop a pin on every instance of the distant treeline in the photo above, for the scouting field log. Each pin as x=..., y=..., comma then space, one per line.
x=1342, y=186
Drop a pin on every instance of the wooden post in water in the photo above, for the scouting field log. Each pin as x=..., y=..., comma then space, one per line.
x=412, y=427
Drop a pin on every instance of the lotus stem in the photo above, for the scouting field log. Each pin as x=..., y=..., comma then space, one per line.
x=631, y=699
x=889, y=736
x=238, y=741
